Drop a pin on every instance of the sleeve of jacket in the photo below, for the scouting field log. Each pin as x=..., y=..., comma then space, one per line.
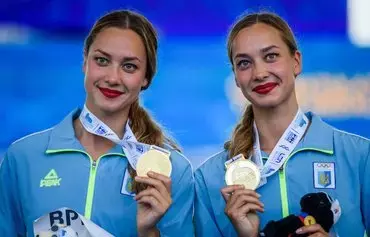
x=178, y=221
x=11, y=222
x=365, y=190
x=204, y=220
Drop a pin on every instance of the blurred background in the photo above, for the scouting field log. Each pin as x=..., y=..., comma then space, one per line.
x=193, y=94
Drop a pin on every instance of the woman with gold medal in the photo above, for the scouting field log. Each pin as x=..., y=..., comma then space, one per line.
x=277, y=154
x=107, y=167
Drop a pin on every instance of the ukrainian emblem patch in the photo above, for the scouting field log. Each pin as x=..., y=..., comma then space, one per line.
x=324, y=175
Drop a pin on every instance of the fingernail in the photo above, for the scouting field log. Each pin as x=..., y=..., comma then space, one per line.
x=258, y=195
x=299, y=231
x=151, y=173
x=138, y=178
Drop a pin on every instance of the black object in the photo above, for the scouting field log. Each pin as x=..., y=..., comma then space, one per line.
x=317, y=205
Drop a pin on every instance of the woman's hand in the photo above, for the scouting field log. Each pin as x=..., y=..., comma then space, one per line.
x=241, y=207
x=153, y=202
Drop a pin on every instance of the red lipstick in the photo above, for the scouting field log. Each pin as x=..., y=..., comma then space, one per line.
x=265, y=88
x=110, y=93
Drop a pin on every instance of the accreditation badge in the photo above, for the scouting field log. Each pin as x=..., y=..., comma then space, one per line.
x=66, y=222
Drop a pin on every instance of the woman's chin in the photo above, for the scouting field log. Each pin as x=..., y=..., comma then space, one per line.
x=266, y=103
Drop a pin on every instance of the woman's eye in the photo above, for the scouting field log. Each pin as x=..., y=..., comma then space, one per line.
x=243, y=64
x=271, y=56
x=101, y=61
x=129, y=67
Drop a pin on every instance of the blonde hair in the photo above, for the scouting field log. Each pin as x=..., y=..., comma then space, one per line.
x=243, y=136
x=145, y=129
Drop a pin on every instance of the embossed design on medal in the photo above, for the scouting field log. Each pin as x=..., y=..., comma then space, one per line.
x=156, y=160
x=243, y=172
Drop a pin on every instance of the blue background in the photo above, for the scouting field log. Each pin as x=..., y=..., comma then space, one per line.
x=41, y=76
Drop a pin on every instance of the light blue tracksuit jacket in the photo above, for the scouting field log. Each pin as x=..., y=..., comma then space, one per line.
x=49, y=170
x=305, y=171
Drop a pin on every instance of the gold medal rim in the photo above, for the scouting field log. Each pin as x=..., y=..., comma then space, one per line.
x=307, y=219
x=142, y=163
x=252, y=165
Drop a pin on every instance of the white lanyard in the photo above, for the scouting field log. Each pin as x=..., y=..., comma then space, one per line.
x=285, y=146
x=131, y=147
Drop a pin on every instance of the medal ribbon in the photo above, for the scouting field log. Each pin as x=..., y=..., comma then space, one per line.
x=130, y=146
x=285, y=146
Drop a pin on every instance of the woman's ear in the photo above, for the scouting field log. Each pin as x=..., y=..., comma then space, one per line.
x=297, y=63
x=144, y=83
x=84, y=65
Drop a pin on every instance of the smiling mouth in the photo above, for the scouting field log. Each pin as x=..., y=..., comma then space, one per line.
x=109, y=93
x=265, y=88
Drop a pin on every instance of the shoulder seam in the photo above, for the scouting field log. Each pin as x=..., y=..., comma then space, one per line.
x=32, y=134
x=351, y=134
x=210, y=157
x=183, y=156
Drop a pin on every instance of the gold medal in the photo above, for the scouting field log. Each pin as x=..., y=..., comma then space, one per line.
x=309, y=220
x=155, y=159
x=243, y=171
